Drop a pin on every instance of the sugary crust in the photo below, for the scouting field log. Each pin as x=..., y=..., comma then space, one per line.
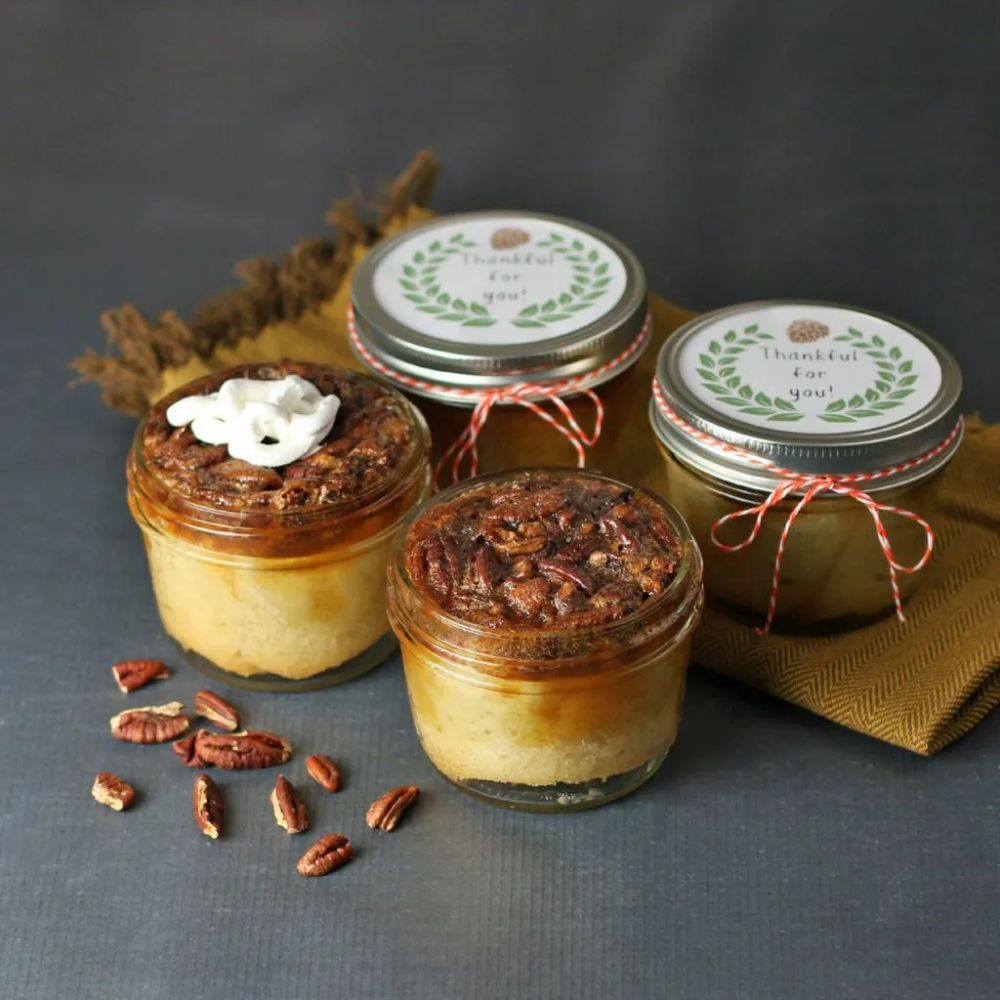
x=542, y=552
x=371, y=438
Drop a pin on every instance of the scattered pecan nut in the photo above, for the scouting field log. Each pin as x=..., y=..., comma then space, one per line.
x=290, y=812
x=233, y=751
x=323, y=771
x=215, y=709
x=326, y=855
x=184, y=748
x=112, y=792
x=152, y=724
x=130, y=675
x=206, y=802
x=384, y=813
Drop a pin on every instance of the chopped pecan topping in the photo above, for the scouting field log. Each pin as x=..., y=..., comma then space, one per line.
x=326, y=855
x=557, y=567
x=527, y=597
x=614, y=527
x=290, y=812
x=384, y=813
x=371, y=438
x=130, y=675
x=206, y=801
x=568, y=598
x=323, y=771
x=510, y=543
x=152, y=724
x=216, y=710
x=111, y=791
x=244, y=476
x=233, y=751
x=522, y=569
x=540, y=550
x=485, y=568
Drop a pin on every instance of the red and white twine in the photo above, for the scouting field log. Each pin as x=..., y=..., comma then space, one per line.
x=807, y=486
x=530, y=395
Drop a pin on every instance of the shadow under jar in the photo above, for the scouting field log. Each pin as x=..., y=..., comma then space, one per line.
x=489, y=308
x=759, y=406
x=545, y=620
x=274, y=578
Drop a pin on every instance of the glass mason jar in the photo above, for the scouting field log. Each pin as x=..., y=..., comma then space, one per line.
x=833, y=568
x=547, y=719
x=496, y=304
x=786, y=396
x=276, y=599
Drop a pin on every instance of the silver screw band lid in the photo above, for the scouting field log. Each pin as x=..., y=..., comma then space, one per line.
x=486, y=299
x=808, y=386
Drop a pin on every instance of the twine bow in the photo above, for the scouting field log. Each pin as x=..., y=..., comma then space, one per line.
x=563, y=421
x=530, y=395
x=808, y=487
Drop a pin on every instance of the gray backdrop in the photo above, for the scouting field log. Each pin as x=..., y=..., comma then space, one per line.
x=846, y=151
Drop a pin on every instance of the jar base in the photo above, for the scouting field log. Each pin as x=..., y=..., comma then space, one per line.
x=368, y=659
x=560, y=797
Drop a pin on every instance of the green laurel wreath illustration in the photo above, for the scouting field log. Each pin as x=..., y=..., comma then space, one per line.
x=892, y=385
x=422, y=287
x=589, y=282
x=718, y=373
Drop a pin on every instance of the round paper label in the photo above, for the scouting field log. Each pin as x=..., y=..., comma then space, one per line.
x=501, y=280
x=815, y=369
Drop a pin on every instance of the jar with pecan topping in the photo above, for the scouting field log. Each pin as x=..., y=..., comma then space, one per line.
x=803, y=442
x=545, y=619
x=273, y=576
x=516, y=333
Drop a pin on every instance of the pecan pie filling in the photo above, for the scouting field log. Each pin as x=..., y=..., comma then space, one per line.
x=543, y=553
x=370, y=439
x=268, y=496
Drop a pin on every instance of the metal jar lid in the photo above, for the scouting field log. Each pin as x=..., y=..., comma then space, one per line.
x=808, y=386
x=485, y=299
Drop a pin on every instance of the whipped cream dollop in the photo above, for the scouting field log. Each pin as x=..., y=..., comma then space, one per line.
x=266, y=422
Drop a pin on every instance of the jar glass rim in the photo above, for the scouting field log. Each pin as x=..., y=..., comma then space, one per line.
x=676, y=602
x=207, y=517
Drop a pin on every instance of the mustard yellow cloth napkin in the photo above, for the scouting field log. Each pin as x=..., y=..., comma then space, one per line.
x=919, y=685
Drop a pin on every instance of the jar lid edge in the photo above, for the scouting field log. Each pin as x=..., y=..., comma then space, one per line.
x=846, y=442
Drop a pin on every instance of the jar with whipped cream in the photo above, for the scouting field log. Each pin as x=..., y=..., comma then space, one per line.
x=268, y=496
x=545, y=618
x=516, y=333
x=802, y=442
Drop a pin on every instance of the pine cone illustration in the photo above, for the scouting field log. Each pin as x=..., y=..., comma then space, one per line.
x=805, y=331
x=507, y=239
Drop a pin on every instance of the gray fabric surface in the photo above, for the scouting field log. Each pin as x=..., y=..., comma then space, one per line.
x=844, y=151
